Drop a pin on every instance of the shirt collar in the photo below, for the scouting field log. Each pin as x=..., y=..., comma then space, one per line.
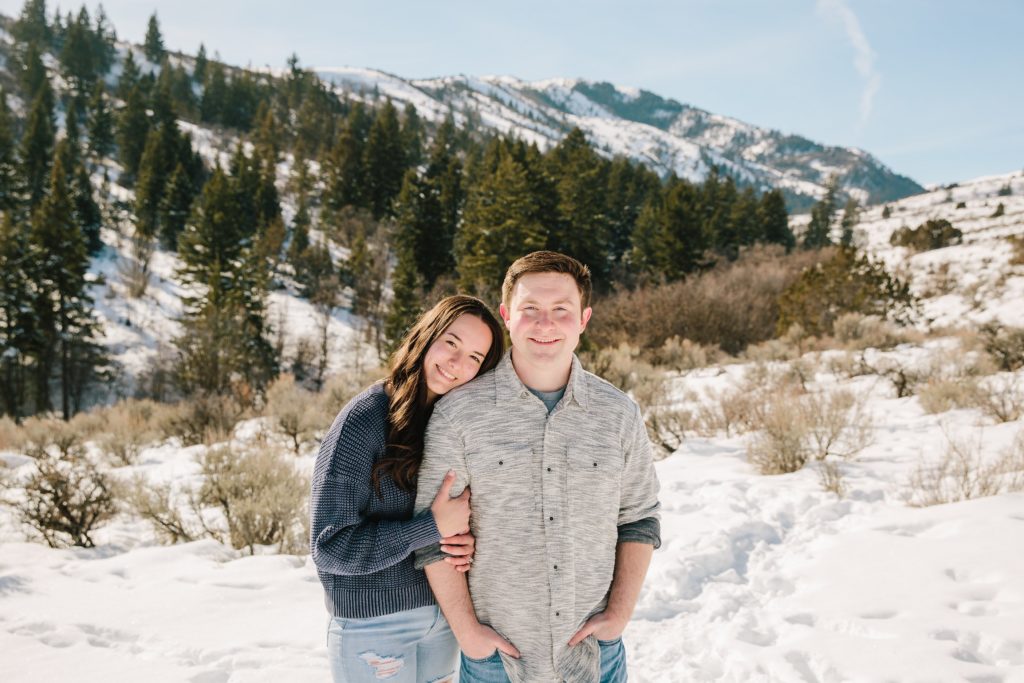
x=509, y=386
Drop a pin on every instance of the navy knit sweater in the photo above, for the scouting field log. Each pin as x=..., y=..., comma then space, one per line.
x=362, y=543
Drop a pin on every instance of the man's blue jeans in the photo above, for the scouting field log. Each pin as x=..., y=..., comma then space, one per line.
x=414, y=646
x=490, y=670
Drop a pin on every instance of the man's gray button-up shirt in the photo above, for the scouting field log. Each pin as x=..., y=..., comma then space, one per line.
x=550, y=493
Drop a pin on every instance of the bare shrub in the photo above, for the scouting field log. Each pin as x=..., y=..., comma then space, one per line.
x=341, y=388
x=830, y=475
x=134, y=267
x=793, y=429
x=940, y=395
x=48, y=436
x=11, y=436
x=963, y=473
x=203, y=419
x=129, y=427
x=1005, y=345
x=732, y=306
x=291, y=410
x=683, y=355
x=153, y=503
x=1017, y=244
x=1002, y=398
x=65, y=499
x=261, y=496
x=666, y=422
x=858, y=331
x=732, y=411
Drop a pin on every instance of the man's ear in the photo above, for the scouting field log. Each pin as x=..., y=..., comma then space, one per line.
x=503, y=312
x=585, y=318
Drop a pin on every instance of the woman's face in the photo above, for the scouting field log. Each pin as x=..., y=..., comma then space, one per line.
x=455, y=357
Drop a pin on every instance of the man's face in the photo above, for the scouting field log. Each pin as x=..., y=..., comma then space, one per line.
x=544, y=318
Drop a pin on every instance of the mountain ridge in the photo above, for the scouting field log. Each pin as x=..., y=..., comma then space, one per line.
x=663, y=133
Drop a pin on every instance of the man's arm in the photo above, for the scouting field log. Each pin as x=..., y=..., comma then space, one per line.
x=444, y=450
x=452, y=593
x=639, y=535
x=631, y=562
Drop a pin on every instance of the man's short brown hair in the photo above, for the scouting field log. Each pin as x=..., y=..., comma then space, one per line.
x=547, y=262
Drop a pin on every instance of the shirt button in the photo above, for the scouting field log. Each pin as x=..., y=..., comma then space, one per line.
x=558, y=614
x=523, y=395
x=549, y=469
x=501, y=462
x=556, y=566
x=551, y=519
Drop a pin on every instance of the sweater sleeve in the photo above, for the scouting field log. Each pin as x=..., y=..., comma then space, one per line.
x=343, y=539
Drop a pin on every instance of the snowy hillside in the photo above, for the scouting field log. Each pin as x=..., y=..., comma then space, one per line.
x=973, y=281
x=663, y=134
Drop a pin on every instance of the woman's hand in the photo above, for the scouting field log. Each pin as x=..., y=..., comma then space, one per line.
x=451, y=515
x=461, y=548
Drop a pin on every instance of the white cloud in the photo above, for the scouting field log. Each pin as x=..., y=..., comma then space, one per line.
x=864, y=56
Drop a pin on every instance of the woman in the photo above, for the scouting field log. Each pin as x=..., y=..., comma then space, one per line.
x=384, y=621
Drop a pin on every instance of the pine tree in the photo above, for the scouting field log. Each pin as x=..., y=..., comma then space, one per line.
x=406, y=301
x=384, y=161
x=31, y=26
x=412, y=136
x=774, y=219
x=175, y=206
x=582, y=226
x=199, y=71
x=16, y=322
x=225, y=332
x=213, y=103
x=851, y=216
x=819, y=229
x=104, y=41
x=37, y=145
x=11, y=188
x=130, y=76
x=499, y=227
x=132, y=130
x=79, y=59
x=32, y=75
x=100, y=124
x=60, y=260
x=743, y=221
x=669, y=240
x=154, y=44
x=87, y=215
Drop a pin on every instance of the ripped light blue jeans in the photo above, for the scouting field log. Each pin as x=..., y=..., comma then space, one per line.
x=414, y=646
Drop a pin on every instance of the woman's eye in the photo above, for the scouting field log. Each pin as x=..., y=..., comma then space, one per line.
x=450, y=343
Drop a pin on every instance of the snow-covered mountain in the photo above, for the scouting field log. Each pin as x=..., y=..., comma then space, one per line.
x=661, y=133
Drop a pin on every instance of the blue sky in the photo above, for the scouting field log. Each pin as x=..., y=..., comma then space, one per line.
x=935, y=89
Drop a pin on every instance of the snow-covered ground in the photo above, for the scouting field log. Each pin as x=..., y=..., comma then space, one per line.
x=760, y=578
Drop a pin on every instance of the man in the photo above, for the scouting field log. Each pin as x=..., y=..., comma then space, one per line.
x=564, y=495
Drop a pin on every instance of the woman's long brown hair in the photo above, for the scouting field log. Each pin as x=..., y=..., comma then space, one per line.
x=410, y=410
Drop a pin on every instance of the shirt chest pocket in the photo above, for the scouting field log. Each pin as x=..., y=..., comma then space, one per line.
x=595, y=472
x=500, y=475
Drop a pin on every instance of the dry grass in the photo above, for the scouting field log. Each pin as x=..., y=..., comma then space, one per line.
x=940, y=395
x=683, y=355
x=11, y=435
x=964, y=473
x=858, y=332
x=292, y=411
x=731, y=306
x=130, y=426
x=793, y=429
x=200, y=420
x=260, y=495
x=154, y=503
